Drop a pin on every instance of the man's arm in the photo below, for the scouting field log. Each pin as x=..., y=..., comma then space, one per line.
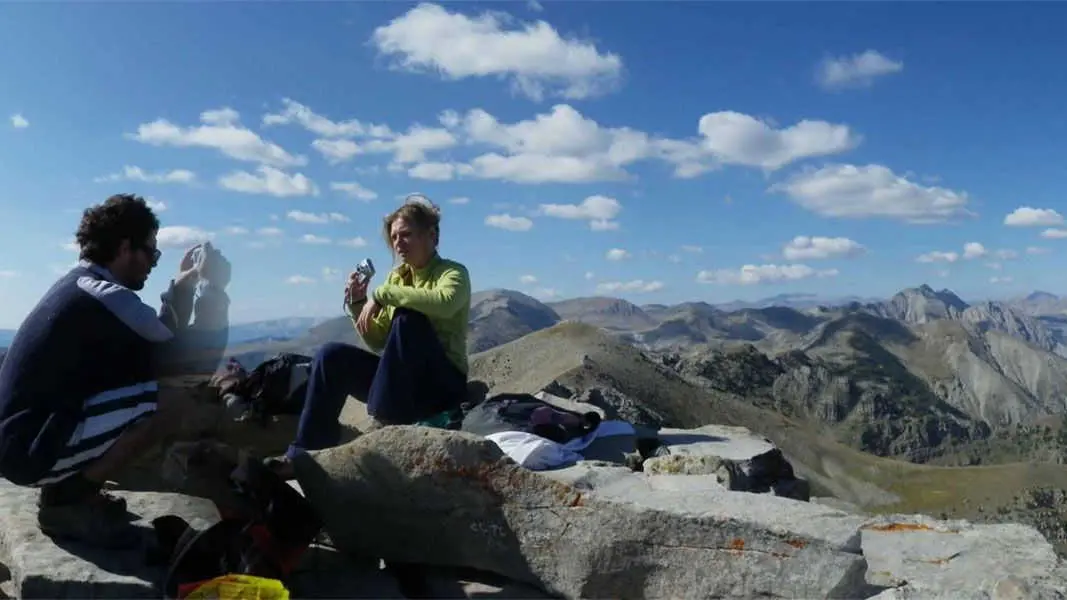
x=450, y=293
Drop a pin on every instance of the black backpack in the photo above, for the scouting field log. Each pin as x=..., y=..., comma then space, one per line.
x=276, y=386
x=266, y=538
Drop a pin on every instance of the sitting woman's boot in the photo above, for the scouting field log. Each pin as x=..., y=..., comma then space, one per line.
x=281, y=466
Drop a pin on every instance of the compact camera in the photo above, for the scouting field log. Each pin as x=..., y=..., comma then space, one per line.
x=365, y=270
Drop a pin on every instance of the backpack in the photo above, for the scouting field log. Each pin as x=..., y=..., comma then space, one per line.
x=266, y=538
x=526, y=413
x=276, y=386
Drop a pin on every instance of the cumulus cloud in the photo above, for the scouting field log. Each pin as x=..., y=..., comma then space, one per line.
x=309, y=238
x=132, y=173
x=564, y=146
x=508, y=222
x=316, y=218
x=1034, y=250
x=533, y=56
x=528, y=279
x=872, y=191
x=356, y=242
x=270, y=181
x=1025, y=216
x=459, y=200
x=938, y=256
x=857, y=70
x=974, y=250
x=181, y=236
x=599, y=211
x=219, y=130
x=617, y=254
x=353, y=190
x=299, y=280
x=734, y=138
x=19, y=122
x=1054, y=234
x=1001, y=279
x=768, y=273
x=804, y=247
x=634, y=286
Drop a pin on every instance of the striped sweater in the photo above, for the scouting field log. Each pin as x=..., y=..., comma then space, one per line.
x=88, y=337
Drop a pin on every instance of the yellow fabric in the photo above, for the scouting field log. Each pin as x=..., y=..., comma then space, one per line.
x=441, y=290
x=240, y=587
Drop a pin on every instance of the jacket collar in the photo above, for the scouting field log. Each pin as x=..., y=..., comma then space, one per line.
x=98, y=269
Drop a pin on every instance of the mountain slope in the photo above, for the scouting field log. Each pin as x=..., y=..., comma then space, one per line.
x=499, y=316
x=609, y=313
x=593, y=364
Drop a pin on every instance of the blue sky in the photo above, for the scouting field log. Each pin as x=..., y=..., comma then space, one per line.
x=655, y=151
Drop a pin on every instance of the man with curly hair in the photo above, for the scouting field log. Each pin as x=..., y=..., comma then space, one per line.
x=79, y=392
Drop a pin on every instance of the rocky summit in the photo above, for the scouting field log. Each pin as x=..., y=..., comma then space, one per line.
x=717, y=512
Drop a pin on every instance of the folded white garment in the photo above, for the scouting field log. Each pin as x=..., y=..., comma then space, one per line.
x=537, y=453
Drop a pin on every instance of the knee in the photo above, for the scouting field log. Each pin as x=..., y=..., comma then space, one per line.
x=407, y=318
x=329, y=352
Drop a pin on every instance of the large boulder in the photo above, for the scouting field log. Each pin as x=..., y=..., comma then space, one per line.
x=454, y=500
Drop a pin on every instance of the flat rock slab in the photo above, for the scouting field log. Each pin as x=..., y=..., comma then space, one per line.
x=453, y=499
x=40, y=568
x=929, y=557
x=733, y=443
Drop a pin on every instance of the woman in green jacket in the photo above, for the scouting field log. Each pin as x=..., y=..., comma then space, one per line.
x=416, y=320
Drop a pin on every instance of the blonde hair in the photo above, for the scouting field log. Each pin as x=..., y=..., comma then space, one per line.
x=419, y=212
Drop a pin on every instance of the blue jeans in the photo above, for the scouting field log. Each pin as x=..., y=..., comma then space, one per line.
x=413, y=379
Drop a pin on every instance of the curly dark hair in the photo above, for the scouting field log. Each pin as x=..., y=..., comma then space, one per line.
x=104, y=226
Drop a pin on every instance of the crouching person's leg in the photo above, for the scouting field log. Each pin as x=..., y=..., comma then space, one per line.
x=415, y=379
x=116, y=429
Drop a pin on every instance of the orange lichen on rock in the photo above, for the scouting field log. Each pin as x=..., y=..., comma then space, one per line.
x=737, y=544
x=897, y=527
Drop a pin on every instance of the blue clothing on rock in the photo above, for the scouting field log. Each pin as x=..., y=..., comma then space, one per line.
x=85, y=365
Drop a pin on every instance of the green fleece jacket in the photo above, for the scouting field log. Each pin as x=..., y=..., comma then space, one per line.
x=441, y=290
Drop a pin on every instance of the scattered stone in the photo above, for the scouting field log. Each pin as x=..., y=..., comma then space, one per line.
x=454, y=500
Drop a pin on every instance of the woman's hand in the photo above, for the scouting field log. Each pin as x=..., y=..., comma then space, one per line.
x=369, y=312
x=355, y=289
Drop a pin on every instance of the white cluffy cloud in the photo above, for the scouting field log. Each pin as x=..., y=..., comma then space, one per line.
x=636, y=285
x=131, y=173
x=1025, y=216
x=508, y=222
x=564, y=146
x=300, y=280
x=600, y=211
x=528, y=279
x=938, y=256
x=353, y=190
x=617, y=254
x=316, y=218
x=1054, y=234
x=270, y=181
x=757, y=274
x=534, y=57
x=19, y=122
x=180, y=236
x=220, y=130
x=803, y=247
x=857, y=70
x=872, y=191
x=971, y=251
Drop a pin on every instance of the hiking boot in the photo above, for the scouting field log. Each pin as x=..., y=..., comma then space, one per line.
x=281, y=466
x=78, y=490
x=92, y=522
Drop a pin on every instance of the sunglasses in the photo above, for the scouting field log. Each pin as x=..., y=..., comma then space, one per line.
x=153, y=253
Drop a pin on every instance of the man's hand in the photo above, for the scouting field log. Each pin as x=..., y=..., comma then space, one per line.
x=369, y=312
x=188, y=273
